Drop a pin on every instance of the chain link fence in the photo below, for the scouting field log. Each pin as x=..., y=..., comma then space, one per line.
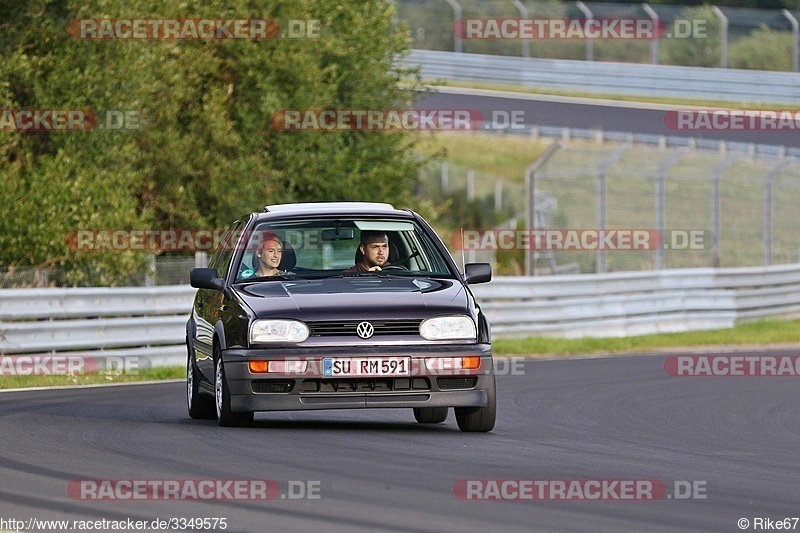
x=162, y=270
x=706, y=208
x=739, y=201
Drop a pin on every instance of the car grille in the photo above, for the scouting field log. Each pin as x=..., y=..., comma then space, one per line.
x=382, y=327
x=456, y=383
x=342, y=385
x=264, y=386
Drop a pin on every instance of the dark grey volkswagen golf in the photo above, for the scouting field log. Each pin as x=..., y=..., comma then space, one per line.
x=338, y=305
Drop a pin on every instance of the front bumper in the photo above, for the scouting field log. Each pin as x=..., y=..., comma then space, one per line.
x=311, y=390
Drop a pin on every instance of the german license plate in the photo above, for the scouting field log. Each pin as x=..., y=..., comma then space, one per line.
x=366, y=366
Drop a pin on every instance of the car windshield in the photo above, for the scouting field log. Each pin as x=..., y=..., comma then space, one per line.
x=324, y=247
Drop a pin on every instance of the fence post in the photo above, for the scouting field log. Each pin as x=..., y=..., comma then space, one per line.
x=530, y=204
x=767, y=230
x=150, y=277
x=723, y=37
x=661, y=175
x=470, y=184
x=656, y=33
x=523, y=12
x=600, y=267
x=716, y=207
x=445, y=177
x=795, y=37
x=498, y=195
x=456, y=17
x=589, y=42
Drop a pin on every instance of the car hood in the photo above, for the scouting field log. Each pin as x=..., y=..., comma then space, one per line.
x=355, y=298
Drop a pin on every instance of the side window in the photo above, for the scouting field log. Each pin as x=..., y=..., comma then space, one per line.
x=221, y=259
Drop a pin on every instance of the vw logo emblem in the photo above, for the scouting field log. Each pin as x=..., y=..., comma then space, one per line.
x=365, y=330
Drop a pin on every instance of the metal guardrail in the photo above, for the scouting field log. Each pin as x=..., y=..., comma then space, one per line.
x=142, y=323
x=100, y=323
x=611, y=78
x=636, y=303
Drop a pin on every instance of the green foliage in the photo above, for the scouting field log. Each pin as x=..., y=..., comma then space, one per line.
x=763, y=49
x=695, y=51
x=207, y=151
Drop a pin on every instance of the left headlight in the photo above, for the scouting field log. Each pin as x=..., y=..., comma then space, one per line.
x=448, y=328
x=268, y=330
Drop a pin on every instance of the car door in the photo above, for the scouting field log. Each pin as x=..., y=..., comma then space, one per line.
x=208, y=303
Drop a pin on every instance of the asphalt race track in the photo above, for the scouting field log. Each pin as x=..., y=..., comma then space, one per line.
x=620, y=418
x=585, y=113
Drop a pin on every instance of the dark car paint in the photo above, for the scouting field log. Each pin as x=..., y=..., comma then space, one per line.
x=223, y=317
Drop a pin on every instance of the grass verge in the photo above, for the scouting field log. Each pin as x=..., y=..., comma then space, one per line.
x=755, y=334
x=99, y=378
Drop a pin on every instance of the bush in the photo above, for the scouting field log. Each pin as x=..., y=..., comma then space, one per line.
x=763, y=49
x=695, y=51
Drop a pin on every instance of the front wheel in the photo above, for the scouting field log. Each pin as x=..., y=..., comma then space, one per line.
x=201, y=406
x=222, y=397
x=430, y=415
x=479, y=418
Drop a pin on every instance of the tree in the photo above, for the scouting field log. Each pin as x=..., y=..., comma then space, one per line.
x=206, y=151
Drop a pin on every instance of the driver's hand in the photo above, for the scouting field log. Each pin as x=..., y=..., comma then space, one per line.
x=376, y=268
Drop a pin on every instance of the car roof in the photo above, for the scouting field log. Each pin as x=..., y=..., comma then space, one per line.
x=335, y=208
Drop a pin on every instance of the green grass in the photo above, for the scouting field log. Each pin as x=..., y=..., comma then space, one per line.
x=759, y=333
x=507, y=159
x=148, y=374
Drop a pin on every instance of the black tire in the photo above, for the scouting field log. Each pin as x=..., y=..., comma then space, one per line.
x=479, y=418
x=200, y=405
x=430, y=415
x=222, y=400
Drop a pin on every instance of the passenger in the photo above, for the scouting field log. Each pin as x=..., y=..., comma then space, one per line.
x=269, y=256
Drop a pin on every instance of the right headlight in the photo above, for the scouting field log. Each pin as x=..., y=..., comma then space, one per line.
x=441, y=328
x=277, y=330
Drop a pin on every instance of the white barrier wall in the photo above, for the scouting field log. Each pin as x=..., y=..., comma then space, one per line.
x=148, y=322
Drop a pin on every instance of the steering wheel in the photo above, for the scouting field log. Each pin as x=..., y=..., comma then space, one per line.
x=392, y=267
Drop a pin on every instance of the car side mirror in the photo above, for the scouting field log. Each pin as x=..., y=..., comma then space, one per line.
x=205, y=278
x=477, y=272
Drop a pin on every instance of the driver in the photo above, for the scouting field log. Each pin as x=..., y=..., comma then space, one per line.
x=375, y=249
